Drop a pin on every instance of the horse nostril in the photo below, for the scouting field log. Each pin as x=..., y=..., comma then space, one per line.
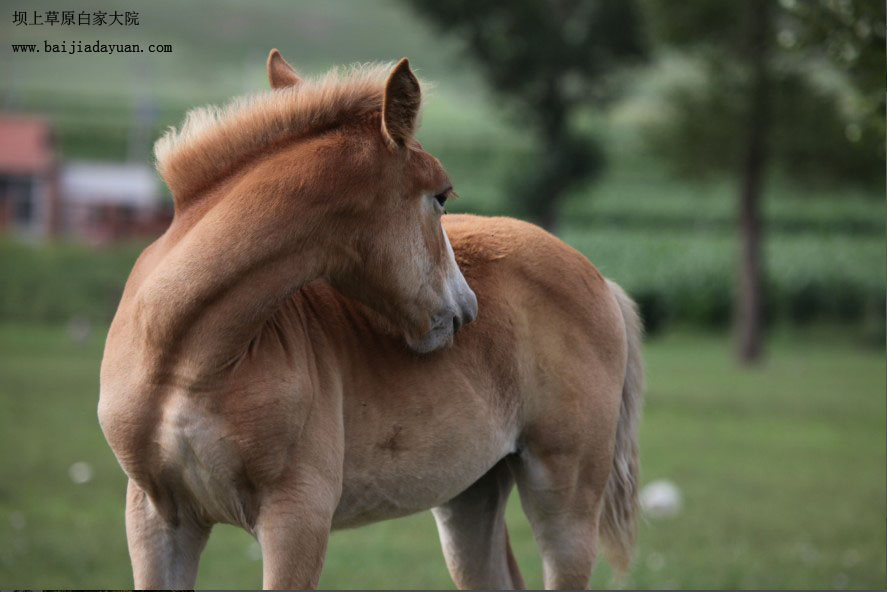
x=457, y=323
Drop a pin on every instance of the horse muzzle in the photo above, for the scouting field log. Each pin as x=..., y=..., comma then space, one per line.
x=447, y=323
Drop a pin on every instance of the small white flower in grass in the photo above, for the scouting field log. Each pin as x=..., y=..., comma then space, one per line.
x=79, y=329
x=17, y=520
x=661, y=499
x=655, y=561
x=807, y=553
x=80, y=472
x=851, y=557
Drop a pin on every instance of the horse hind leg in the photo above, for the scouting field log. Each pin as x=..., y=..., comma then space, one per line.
x=474, y=537
x=164, y=554
x=562, y=496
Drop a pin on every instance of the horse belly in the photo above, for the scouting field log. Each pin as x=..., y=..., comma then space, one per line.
x=399, y=474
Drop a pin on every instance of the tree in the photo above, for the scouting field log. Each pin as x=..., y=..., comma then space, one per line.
x=852, y=36
x=549, y=60
x=749, y=304
x=761, y=107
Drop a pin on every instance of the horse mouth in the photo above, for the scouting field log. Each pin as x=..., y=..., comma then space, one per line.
x=440, y=336
x=444, y=326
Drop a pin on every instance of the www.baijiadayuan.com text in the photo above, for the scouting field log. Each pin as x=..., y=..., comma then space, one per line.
x=72, y=47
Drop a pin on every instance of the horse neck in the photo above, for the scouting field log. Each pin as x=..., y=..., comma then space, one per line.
x=216, y=278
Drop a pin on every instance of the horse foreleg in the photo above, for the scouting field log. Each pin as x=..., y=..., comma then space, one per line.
x=293, y=530
x=474, y=537
x=164, y=550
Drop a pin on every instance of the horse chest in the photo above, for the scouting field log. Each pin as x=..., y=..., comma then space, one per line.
x=200, y=453
x=215, y=456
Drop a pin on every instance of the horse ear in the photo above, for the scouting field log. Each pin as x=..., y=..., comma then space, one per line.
x=280, y=74
x=400, y=107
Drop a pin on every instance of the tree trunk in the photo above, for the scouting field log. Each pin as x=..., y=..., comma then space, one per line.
x=550, y=181
x=749, y=301
x=551, y=187
x=548, y=217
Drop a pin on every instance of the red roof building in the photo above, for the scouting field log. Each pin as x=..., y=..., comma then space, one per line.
x=28, y=180
x=25, y=145
x=98, y=202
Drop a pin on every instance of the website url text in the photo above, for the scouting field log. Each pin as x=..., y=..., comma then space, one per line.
x=97, y=47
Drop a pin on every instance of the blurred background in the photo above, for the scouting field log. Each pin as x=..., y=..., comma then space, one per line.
x=723, y=161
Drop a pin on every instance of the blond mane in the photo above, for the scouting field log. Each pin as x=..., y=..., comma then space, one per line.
x=214, y=140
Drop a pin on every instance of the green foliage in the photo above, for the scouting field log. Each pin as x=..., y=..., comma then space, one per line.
x=57, y=283
x=564, y=48
x=850, y=34
x=781, y=469
x=714, y=25
x=548, y=61
x=823, y=123
x=674, y=247
x=687, y=277
x=699, y=130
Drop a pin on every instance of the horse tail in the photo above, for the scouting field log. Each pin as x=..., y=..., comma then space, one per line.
x=619, y=518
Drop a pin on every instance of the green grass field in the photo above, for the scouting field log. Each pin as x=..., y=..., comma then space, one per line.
x=782, y=471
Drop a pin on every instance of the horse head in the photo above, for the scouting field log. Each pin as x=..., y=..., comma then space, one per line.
x=392, y=253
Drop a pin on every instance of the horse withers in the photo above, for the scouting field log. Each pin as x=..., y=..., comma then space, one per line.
x=297, y=354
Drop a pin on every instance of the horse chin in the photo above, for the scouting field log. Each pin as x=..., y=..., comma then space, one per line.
x=438, y=338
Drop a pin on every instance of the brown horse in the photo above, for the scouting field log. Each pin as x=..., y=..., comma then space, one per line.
x=283, y=357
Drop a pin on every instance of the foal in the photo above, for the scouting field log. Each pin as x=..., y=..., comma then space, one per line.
x=284, y=358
